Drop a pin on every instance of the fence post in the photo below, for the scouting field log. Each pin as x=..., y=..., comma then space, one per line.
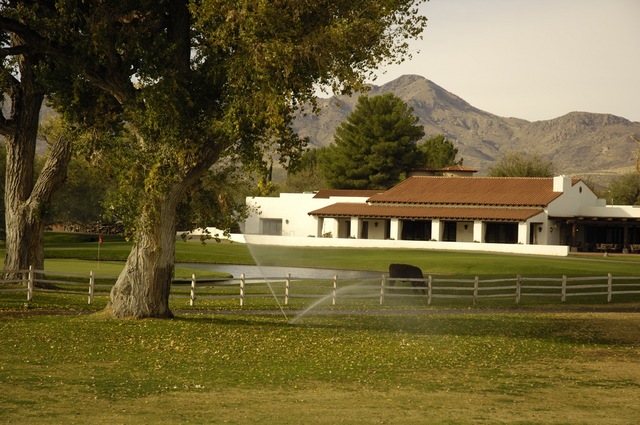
x=287, y=286
x=384, y=282
x=518, y=288
x=476, y=283
x=334, y=290
x=242, y=282
x=91, y=286
x=30, y=284
x=430, y=289
x=609, y=287
x=192, y=297
x=564, y=287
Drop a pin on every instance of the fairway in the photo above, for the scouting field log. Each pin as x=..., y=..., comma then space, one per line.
x=63, y=361
x=446, y=368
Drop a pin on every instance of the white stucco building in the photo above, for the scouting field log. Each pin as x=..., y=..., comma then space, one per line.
x=533, y=215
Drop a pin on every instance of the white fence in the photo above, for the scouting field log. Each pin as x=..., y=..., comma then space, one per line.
x=60, y=283
x=333, y=291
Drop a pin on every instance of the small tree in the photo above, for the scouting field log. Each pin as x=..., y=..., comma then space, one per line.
x=439, y=152
x=375, y=146
x=625, y=189
x=521, y=164
x=307, y=174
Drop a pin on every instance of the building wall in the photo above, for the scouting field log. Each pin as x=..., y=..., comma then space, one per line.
x=293, y=209
x=553, y=250
x=538, y=234
x=573, y=197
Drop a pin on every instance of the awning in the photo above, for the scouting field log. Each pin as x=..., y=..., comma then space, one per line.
x=424, y=212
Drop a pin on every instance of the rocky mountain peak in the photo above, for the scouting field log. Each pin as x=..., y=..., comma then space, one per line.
x=578, y=143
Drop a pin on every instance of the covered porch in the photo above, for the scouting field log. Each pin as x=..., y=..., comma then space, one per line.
x=600, y=234
x=446, y=224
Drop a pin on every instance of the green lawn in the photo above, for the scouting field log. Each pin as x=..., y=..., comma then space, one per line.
x=447, y=368
x=61, y=246
x=356, y=363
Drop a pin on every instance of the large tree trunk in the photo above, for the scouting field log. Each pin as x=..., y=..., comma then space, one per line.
x=26, y=202
x=24, y=226
x=143, y=287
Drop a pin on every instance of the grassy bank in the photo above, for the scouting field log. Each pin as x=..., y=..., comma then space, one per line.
x=62, y=361
x=357, y=369
x=86, y=247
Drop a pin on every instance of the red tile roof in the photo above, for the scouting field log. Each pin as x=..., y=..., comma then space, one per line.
x=328, y=193
x=421, y=212
x=481, y=191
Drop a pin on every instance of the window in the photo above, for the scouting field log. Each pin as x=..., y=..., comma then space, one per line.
x=416, y=230
x=502, y=233
x=450, y=233
x=271, y=226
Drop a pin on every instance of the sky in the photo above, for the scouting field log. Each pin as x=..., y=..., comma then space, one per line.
x=532, y=59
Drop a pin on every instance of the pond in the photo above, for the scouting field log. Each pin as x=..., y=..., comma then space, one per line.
x=251, y=271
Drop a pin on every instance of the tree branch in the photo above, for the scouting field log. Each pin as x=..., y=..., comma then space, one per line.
x=14, y=51
x=54, y=172
x=105, y=78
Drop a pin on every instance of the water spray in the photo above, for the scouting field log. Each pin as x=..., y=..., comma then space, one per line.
x=273, y=292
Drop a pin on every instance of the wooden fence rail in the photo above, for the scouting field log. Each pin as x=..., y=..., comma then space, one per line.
x=333, y=290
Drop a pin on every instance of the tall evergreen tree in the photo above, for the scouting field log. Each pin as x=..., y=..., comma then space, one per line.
x=375, y=146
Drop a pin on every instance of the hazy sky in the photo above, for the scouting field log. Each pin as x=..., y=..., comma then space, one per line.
x=532, y=59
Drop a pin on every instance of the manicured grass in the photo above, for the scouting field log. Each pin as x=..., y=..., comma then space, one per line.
x=118, y=250
x=85, y=247
x=446, y=263
x=112, y=268
x=357, y=369
x=357, y=363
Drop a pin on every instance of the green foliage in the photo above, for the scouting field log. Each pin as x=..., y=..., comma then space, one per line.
x=80, y=200
x=375, y=146
x=194, y=82
x=216, y=200
x=307, y=175
x=522, y=164
x=439, y=152
x=624, y=189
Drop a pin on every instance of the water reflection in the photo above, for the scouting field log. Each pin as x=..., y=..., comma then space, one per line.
x=251, y=271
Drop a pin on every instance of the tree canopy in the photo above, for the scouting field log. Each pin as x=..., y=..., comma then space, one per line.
x=185, y=84
x=522, y=164
x=375, y=146
x=624, y=189
x=439, y=152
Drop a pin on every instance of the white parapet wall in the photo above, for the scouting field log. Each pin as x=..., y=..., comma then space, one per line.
x=551, y=250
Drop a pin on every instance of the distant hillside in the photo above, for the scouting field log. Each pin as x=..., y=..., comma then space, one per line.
x=579, y=143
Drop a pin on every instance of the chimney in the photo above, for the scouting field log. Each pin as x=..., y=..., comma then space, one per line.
x=561, y=183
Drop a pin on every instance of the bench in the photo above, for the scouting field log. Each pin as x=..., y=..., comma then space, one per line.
x=608, y=247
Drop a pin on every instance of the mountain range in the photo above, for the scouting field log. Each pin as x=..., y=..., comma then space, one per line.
x=578, y=143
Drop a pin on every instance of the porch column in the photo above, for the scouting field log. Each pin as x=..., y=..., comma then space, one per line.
x=395, y=229
x=523, y=233
x=355, y=228
x=319, y=226
x=625, y=238
x=478, y=231
x=436, y=230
